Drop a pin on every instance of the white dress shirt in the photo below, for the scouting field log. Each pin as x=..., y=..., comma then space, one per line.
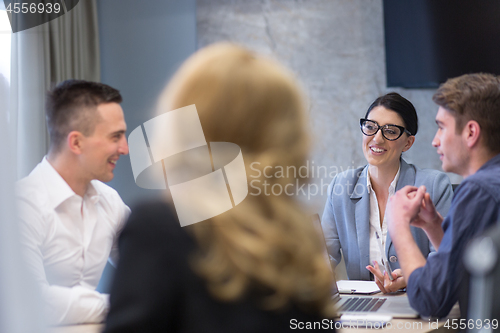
x=68, y=240
x=375, y=221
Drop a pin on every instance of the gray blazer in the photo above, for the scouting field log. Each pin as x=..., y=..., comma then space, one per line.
x=346, y=223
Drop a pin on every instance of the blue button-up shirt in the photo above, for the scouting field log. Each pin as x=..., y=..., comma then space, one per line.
x=434, y=288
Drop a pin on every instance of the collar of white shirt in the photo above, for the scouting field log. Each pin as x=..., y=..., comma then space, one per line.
x=61, y=190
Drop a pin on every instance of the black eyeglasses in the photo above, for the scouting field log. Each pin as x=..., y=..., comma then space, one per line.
x=390, y=132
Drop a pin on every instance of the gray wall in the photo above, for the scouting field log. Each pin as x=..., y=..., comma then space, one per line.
x=142, y=44
x=336, y=48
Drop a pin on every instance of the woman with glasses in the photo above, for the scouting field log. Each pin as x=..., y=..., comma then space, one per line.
x=353, y=220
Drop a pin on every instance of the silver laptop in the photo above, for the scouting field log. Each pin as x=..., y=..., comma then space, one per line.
x=396, y=306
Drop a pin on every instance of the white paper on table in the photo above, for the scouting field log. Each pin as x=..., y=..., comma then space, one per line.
x=357, y=287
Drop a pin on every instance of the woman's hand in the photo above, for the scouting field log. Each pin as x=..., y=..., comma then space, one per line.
x=382, y=280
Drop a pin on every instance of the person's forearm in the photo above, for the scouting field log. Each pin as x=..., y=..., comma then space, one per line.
x=75, y=305
x=435, y=233
x=435, y=236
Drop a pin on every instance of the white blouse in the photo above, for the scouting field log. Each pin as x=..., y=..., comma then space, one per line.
x=375, y=221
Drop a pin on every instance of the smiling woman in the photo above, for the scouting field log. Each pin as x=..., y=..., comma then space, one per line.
x=353, y=217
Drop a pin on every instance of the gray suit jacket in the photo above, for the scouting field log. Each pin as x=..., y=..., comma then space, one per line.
x=346, y=223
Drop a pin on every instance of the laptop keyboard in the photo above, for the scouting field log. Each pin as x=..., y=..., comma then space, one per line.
x=362, y=304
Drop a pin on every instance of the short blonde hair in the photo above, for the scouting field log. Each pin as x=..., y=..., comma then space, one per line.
x=266, y=241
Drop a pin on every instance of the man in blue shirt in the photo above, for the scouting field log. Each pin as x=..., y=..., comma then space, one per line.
x=468, y=142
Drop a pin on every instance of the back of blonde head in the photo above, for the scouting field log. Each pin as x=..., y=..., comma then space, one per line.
x=267, y=242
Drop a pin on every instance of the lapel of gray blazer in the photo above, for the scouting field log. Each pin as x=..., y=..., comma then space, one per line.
x=361, y=201
x=406, y=177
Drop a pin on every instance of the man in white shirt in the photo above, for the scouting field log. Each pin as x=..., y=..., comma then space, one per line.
x=69, y=219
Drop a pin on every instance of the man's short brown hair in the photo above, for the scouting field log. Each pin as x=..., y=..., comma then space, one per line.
x=474, y=97
x=72, y=106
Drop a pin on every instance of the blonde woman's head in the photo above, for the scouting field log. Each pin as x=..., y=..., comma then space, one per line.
x=241, y=98
x=267, y=240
